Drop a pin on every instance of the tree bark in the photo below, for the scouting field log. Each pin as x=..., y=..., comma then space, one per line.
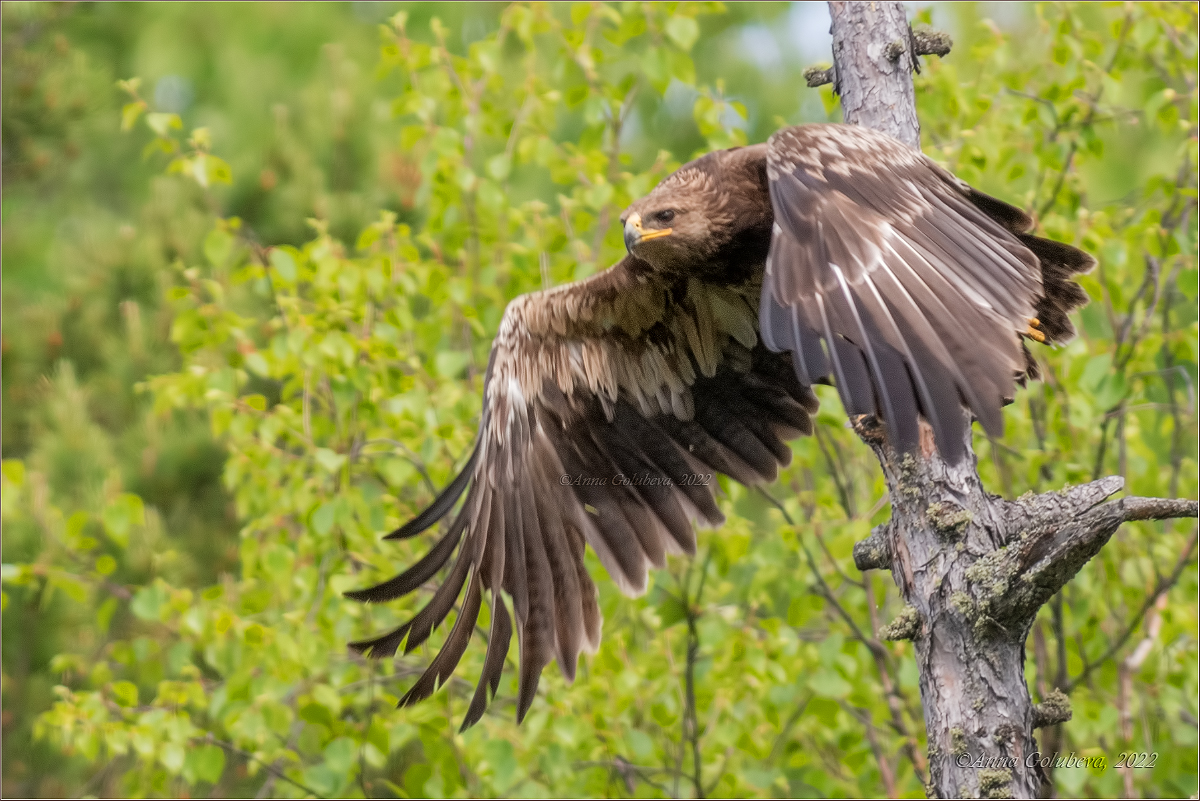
x=972, y=567
x=873, y=60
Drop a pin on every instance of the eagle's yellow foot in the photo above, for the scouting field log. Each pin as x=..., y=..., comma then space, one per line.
x=1032, y=331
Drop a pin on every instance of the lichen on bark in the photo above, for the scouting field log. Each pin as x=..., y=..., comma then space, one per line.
x=906, y=625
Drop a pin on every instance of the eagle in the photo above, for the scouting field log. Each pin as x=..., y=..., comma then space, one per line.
x=829, y=254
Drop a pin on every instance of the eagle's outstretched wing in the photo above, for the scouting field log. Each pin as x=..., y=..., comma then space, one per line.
x=625, y=374
x=918, y=286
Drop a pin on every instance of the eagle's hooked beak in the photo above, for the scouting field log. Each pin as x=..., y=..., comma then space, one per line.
x=635, y=233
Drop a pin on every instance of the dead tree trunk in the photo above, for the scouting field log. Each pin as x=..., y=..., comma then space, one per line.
x=972, y=567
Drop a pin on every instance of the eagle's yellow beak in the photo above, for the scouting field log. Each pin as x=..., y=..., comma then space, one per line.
x=635, y=233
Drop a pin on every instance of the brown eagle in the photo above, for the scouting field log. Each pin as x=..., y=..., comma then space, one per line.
x=829, y=253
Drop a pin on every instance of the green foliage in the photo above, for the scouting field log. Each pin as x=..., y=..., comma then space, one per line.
x=340, y=371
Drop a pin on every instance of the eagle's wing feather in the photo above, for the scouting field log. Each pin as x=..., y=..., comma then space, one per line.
x=625, y=373
x=901, y=282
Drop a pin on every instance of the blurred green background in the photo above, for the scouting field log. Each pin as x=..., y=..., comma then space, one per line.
x=180, y=470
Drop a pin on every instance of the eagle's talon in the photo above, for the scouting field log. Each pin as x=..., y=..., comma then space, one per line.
x=1032, y=332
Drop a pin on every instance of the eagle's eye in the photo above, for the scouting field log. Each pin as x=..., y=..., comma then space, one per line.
x=664, y=216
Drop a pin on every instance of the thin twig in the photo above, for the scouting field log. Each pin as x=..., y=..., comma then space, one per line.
x=409, y=455
x=785, y=729
x=233, y=749
x=835, y=469
x=319, y=594
x=823, y=588
x=622, y=768
x=1162, y=586
x=885, y=770
x=97, y=778
x=691, y=725
x=890, y=687
x=825, y=549
x=1087, y=120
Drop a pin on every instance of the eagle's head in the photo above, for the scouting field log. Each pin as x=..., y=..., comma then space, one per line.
x=695, y=215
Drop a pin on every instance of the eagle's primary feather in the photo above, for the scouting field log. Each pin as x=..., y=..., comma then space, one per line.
x=831, y=252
